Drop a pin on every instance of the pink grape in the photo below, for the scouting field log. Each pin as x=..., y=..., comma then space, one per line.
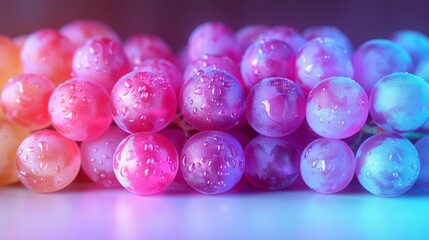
x=249, y=34
x=327, y=165
x=80, y=109
x=319, y=59
x=101, y=60
x=275, y=107
x=337, y=107
x=377, y=58
x=286, y=34
x=326, y=31
x=141, y=47
x=80, y=31
x=212, y=100
x=267, y=58
x=47, y=162
x=166, y=68
x=145, y=163
x=212, y=162
x=214, y=38
x=25, y=99
x=10, y=138
x=272, y=163
x=97, y=157
x=48, y=53
x=143, y=102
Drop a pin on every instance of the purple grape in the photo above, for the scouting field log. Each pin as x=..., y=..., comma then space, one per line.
x=212, y=162
x=272, y=163
x=212, y=100
x=286, y=34
x=319, y=59
x=399, y=102
x=329, y=32
x=275, y=107
x=337, y=107
x=377, y=58
x=249, y=34
x=327, y=165
x=267, y=58
x=422, y=147
x=387, y=164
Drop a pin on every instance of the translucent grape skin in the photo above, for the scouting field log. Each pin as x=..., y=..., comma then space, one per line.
x=24, y=101
x=212, y=162
x=177, y=136
x=422, y=69
x=286, y=34
x=141, y=47
x=337, y=108
x=143, y=102
x=249, y=34
x=214, y=38
x=327, y=165
x=415, y=43
x=79, y=31
x=377, y=58
x=319, y=59
x=10, y=138
x=145, y=163
x=10, y=62
x=79, y=109
x=399, y=102
x=422, y=147
x=47, y=162
x=48, y=53
x=267, y=58
x=275, y=107
x=326, y=31
x=272, y=163
x=212, y=100
x=97, y=157
x=387, y=165
x=101, y=60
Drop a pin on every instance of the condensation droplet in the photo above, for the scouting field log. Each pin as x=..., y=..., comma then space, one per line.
x=191, y=168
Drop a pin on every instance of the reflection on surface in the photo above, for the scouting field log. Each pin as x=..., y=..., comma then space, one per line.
x=84, y=211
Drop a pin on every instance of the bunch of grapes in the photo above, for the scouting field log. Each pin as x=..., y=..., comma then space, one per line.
x=269, y=104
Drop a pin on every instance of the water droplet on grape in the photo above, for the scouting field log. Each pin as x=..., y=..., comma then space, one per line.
x=131, y=154
x=43, y=146
x=43, y=165
x=124, y=172
x=230, y=163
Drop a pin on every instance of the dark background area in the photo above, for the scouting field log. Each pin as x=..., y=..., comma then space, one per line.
x=174, y=20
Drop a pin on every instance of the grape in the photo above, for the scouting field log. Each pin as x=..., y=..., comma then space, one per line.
x=325, y=31
x=415, y=43
x=10, y=138
x=286, y=34
x=327, y=165
x=143, y=102
x=387, y=164
x=319, y=59
x=10, y=62
x=80, y=109
x=165, y=68
x=337, y=107
x=97, y=157
x=214, y=38
x=25, y=99
x=141, y=47
x=213, y=62
x=101, y=60
x=48, y=53
x=272, y=163
x=212, y=100
x=145, y=163
x=249, y=34
x=47, y=162
x=275, y=107
x=178, y=138
x=212, y=162
x=399, y=102
x=422, y=147
x=422, y=69
x=267, y=58
x=79, y=31
x=377, y=58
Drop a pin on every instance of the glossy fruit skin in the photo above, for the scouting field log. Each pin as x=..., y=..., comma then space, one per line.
x=249, y=34
x=287, y=34
x=145, y=163
x=79, y=109
x=212, y=100
x=143, y=102
x=387, y=164
x=326, y=31
x=212, y=162
x=25, y=99
x=47, y=162
x=422, y=147
x=275, y=107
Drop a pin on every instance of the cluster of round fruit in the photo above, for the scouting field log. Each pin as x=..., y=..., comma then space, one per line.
x=267, y=102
